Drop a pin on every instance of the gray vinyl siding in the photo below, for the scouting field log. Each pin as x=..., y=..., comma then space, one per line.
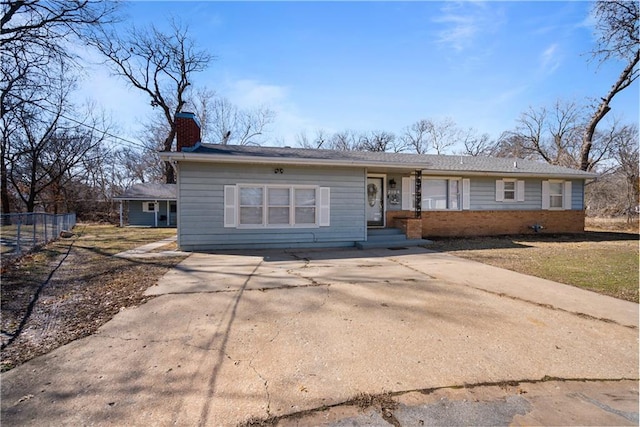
x=201, y=207
x=137, y=217
x=577, y=195
x=483, y=195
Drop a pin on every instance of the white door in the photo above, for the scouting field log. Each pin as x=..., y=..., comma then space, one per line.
x=375, y=202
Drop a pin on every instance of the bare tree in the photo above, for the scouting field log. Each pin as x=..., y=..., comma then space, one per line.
x=228, y=124
x=427, y=134
x=345, y=140
x=443, y=134
x=476, y=144
x=617, y=28
x=626, y=155
x=201, y=103
x=377, y=141
x=321, y=140
x=416, y=136
x=160, y=64
x=47, y=149
x=32, y=43
x=551, y=134
x=616, y=192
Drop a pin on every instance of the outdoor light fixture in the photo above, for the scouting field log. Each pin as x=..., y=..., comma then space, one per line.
x=392, y=183
x=278, y=170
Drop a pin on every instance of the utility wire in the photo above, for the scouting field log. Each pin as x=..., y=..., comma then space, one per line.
x=104, y=132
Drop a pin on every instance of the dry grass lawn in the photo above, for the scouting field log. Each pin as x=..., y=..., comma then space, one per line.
x=71, y=287
x=604, y=259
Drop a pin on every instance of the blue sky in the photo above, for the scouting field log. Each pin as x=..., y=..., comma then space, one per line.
x=382, y=65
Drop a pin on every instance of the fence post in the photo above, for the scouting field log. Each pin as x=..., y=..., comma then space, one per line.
x=18, y=236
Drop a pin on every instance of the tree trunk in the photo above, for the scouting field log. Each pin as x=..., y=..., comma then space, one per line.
x=625, y=79
x=169, y=173
x=4, y=187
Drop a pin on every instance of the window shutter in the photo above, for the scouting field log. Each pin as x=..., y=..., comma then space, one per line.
x=466, y=193
x=230, y=206
x=499, y=190
x=407, y=193
x=520, y=190
x=545, y=195
x=325, y=206
x=566, y=195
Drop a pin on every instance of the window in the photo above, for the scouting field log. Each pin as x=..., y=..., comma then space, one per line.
x=148, y=207
x=509, y=190
x=279, y=205
x=441, y=194
x=305, y=210
x=275, y=206
x=251, y=205
x=437, y=194
x=556, y=194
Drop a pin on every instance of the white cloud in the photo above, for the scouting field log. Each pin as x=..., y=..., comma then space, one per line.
x=464, y=22
x=550, y=59
x=289, y=121
x=251, y=93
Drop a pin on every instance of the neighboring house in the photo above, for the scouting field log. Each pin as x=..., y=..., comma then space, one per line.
x=152, y=205
x=268, y=197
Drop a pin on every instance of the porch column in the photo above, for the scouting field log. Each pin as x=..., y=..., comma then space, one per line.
x=418, y=194
x=121, y=214
x=155, y=212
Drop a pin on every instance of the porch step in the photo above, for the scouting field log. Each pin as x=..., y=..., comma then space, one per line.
x=384, y=232
x=390, y=238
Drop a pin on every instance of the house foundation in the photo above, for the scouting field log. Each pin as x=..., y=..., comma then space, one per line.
x=486, y=223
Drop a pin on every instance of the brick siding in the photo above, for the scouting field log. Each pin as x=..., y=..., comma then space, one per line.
x=187, y=133
x=488, y=223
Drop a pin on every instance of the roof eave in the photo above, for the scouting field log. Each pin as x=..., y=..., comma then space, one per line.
x=513, y=174
x=157, y=199
x=224, y=158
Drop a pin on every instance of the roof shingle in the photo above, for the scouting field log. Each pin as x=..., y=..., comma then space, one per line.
x=440, y=163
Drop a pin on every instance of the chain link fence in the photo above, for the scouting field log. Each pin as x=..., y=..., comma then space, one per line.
x=21, y=232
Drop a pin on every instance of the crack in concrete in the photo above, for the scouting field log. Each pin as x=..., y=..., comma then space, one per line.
x=263, y=289
x=266, y=387
x=502, y=294
x=387, y=410
x=552, y=307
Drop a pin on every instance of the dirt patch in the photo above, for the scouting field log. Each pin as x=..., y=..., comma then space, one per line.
x=71, y=287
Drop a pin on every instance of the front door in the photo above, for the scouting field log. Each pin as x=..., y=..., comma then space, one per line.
x=375, y=202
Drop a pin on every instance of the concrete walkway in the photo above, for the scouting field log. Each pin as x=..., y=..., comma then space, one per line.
x=147, y=251
x=308, y=337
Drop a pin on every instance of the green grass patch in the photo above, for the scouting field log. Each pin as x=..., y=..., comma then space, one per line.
x=604, y=262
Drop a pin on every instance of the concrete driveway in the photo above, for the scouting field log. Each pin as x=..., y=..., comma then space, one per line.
x=237, y=337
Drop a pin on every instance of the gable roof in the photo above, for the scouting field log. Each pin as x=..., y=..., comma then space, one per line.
x=429, y=163
x=150, y=191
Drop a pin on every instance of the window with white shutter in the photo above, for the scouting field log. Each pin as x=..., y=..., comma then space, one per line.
x=556, y=195
x=509, y=190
